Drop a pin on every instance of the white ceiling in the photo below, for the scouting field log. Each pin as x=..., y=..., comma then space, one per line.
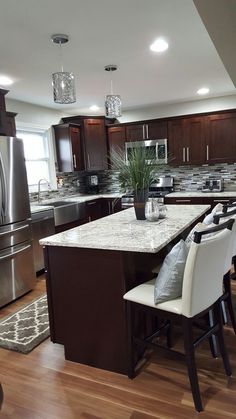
x=109, y=32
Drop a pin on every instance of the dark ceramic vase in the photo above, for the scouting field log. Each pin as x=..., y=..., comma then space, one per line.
x=140, y=199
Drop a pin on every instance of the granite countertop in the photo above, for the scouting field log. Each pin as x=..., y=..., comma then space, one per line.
x=201, y=194
x=122, y=232
x=36, y=207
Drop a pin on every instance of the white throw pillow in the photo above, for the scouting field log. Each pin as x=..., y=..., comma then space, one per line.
x=169, y=281
x=209, y=218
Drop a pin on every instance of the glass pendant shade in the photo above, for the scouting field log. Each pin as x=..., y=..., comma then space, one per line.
x=63, y=82
x=112, y=102
x=112, y=106
x=63, y=87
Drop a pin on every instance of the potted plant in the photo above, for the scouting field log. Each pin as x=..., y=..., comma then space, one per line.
x=136, y=175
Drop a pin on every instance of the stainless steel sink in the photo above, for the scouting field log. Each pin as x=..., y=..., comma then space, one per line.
x=67, y=212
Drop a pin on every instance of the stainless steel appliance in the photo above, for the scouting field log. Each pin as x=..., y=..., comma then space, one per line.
x=212, y=185
x=43, y=225
x=156, y=148
x=158, y=189
x=16, y=255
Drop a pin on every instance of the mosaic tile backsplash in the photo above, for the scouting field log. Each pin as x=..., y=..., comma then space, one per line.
x=186, y=178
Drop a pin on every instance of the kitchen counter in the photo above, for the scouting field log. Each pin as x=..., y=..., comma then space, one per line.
x=200, y=194
x=36, y=207
x=122, y=232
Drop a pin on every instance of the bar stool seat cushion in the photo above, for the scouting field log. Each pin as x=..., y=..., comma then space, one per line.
x=143, y=294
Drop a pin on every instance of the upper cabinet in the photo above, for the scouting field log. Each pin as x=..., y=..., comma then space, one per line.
x=186, y=138
x=10, y=124
x=116, y=140
x=150, y=130
x=221, y=138
x=68, y=147
x=81, y=144
x=95, y=148
x=3, y=117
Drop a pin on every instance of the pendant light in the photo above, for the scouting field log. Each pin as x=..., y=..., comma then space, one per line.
x=112, y=102
x=63, y=82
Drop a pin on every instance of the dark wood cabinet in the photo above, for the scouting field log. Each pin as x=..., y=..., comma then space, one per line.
x=110, y=206
x=187, y=141
x=116, y=141
x=95, y=148
x=149, y=130
x=68, y=147
x=3, y=116
x=221, y=138
x=93, y=210
x=202, y=200
x=10, y=124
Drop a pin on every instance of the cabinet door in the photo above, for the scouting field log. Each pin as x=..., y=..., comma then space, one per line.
x=95, y=144
x=176, y=145
x=135, y=132
x=94, y=210
x=10, y=124
x=194, y=139
x=68, y=146
x=116, y=141
x=221, y=138
x=156, y=130
x=3, y=118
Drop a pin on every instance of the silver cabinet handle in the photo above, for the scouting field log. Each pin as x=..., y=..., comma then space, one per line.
x=109, y=207
x=188, y=154
x=13, y=231
x=143, y=131
x=147, y=133
x=10, y=255
x=184, y=154
x=220, y=200
x=207, y=152
x=88, y=160
x=91, y=203
x=74, y=161
x=183, y=200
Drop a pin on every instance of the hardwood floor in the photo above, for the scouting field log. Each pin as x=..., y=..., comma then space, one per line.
x=42, y=385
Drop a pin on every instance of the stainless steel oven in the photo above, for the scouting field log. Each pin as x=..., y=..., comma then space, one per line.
x=155, y=148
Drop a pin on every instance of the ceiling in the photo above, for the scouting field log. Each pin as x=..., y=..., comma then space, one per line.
x=117, y=32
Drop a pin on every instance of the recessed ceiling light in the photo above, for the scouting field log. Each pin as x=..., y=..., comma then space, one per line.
x=159, y=45
x=5, y=81
x=94, y=108
x=203, y=91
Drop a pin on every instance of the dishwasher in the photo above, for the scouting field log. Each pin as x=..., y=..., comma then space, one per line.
x=43, y=225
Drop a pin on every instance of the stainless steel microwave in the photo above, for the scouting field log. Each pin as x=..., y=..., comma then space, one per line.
x=157, y=148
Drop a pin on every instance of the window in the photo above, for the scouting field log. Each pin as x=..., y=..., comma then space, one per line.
x=39, y=160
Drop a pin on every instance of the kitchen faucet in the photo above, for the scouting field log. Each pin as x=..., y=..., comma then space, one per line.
x=39, y=183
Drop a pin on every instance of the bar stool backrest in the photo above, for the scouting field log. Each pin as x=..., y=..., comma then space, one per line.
x=204, y=270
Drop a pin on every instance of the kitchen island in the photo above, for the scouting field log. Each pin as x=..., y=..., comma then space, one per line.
x=88, y=270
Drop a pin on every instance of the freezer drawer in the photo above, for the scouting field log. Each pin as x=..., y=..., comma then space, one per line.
x=17, y=272
x=15, y=233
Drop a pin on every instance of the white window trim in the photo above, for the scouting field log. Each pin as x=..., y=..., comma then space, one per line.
x=28, y=127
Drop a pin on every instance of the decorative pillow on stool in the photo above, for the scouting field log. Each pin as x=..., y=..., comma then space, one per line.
x=209, y=218
x=168, y=285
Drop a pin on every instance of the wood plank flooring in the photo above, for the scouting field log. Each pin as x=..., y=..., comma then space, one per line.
x=42, y=385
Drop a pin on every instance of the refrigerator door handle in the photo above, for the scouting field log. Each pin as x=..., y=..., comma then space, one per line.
x=12, y=254
x=3, y=189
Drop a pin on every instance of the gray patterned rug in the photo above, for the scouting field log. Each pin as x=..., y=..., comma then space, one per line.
x=26, y=328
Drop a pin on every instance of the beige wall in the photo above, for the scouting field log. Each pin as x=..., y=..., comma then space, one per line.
x=181, y=108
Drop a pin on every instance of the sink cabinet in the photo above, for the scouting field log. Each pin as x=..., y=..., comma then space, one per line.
x=110, y=206
x=93, y=210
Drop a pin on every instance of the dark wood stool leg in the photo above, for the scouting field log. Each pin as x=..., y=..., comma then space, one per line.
x=212, y=339
x=227, y=287
x=220, y=335
x=190, y=359
x=131, y=351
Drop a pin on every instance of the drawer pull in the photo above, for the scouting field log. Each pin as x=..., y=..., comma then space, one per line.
x=183, y=200
x=221, y=200
x=91, y=203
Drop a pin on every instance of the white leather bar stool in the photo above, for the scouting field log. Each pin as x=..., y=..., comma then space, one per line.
x=201, y=292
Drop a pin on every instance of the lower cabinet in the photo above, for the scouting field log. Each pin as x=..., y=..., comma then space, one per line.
x=205, y=200
x=93, y=210
x=110, y=206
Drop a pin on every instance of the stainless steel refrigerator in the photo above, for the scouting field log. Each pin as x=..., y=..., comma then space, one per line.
x=16, y=256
